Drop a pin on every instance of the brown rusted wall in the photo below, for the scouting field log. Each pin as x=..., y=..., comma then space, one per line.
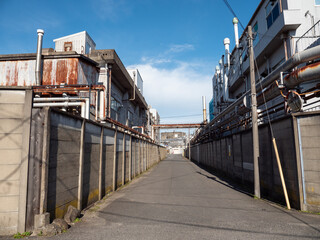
x=55, y=72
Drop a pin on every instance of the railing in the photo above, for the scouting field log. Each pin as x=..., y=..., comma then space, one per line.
x=310, y=39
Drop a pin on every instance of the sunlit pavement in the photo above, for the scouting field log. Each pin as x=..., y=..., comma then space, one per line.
x=178, y=200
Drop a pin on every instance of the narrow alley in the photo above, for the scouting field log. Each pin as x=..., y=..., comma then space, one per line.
x=177, y=199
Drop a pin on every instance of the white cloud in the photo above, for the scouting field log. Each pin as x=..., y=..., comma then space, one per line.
x=181, y=48
x=176, y=91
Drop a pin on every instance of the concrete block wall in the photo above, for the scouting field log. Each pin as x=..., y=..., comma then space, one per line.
x=50, y=160
x=15, y=115
x=85, y=165
x=307, y=130
x=63, y=172
x=233, y=156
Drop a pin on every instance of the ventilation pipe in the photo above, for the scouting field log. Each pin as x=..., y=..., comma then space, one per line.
x=215, y=83
x=225, y=73
x=226, y=43
x=300, y=57
x=38, y=59
x=236, y=31
x=204, y=109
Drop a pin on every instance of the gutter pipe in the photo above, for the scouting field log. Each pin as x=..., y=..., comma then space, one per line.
x=134, y=86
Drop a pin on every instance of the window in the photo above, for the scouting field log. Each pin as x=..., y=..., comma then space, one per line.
x=272, y=12
x=115, y=105
x=255, y=34
x=130, y=119
x=317, y=2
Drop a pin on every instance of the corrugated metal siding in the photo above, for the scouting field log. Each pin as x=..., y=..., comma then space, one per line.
x=55, y=72
x=17, y=73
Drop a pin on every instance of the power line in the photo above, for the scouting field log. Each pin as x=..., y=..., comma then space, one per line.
x=231, y=10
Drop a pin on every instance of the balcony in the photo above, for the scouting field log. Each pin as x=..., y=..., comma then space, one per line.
x=269, y=42
x=310, y=39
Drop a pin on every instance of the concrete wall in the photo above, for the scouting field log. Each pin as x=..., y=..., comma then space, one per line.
x=50, y=160
x=15, y=108
x=308, y=159
x=85, y=165
x=63, y=173
x=233, y=156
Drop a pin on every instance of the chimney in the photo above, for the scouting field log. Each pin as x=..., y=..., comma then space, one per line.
x=236, y=32
x=204, y=110
x=226, y=43
x=38, y=60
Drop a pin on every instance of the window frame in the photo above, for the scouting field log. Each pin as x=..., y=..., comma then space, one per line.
x=271, y=13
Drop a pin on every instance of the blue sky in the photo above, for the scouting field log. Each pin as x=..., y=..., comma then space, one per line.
x=175, y=44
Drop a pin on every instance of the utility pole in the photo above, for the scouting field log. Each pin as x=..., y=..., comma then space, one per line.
x=254, y=115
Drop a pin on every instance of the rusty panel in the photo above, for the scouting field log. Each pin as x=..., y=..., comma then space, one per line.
x=55, y=72
x=59, y=71
x=17, y=73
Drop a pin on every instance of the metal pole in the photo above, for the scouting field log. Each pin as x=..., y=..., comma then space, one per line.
x=109, y=89
x=100, y=163
x=130, y=158
x=255, y=134
x=124, y=159
x=189, y=155
x=81, y=165
x=114, y=179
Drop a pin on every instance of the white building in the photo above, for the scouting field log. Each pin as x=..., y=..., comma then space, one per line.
x=281, y=29
x=135, y=75
x=154, y=119
x=80, y=42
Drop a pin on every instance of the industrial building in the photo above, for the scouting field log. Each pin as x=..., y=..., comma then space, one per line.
x=174, y=141
x=281, y=29
x=71, y=130
x=286, y=76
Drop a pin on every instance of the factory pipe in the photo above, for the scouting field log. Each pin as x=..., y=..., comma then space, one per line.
x=236, y=31
x=204, y=110
x=295, y=60
x=84, y=114
x=76, y=88
x=38, y=59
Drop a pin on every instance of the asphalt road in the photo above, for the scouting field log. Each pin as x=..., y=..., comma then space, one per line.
x=178, y=200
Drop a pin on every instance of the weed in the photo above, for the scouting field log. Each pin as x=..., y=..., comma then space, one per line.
x=77, y=220
x=316, y=213
x=21, y=235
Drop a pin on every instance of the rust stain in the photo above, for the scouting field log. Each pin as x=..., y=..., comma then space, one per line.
x=47, y=69
x=61, y=71
x=15, y=75
x=296, y=73
x=72, y=71
x=8, y=76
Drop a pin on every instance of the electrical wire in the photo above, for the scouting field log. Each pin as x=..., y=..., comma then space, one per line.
x=264, y=98
x=231, y=10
